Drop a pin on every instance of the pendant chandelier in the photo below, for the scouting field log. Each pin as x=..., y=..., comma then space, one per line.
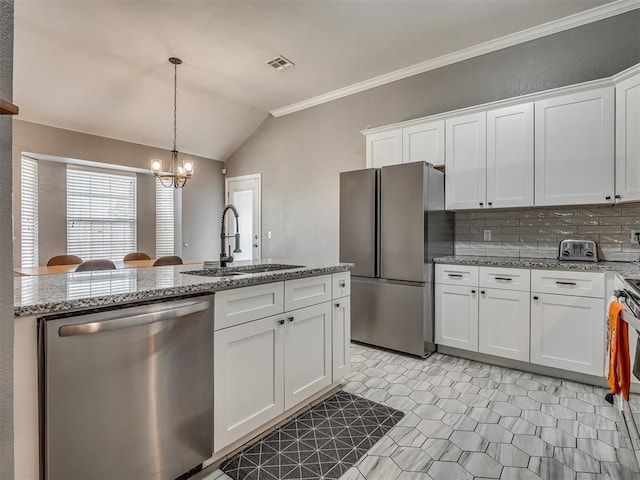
x=179, y=172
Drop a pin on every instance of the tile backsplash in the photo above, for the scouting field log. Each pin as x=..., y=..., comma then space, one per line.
x=536, y=232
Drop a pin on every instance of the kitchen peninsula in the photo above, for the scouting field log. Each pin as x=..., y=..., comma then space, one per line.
x=258, y=341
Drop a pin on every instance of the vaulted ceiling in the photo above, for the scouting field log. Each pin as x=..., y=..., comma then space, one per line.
x=100, y=66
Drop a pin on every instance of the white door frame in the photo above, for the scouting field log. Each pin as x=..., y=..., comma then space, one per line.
x=257, y=176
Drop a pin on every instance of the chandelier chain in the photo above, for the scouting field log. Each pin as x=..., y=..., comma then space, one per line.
x=175, y=104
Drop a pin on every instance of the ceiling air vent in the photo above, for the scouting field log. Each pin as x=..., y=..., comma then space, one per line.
x=280, y=63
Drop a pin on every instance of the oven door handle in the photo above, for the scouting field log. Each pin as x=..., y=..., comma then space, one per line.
x=119, y=323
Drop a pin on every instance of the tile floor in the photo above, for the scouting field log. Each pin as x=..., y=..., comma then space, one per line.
x=468, y=420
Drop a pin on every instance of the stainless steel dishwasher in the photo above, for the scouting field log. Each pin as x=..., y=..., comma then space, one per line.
x=127, y=393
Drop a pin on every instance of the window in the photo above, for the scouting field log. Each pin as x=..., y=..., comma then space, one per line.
x=29, y=212
x=164, y=220
x=101, y=213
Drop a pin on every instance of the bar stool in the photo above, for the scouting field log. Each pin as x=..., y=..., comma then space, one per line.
x=168, y=260
x=91, y=265
x=136, y=256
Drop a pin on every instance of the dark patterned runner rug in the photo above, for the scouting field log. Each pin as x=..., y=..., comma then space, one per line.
x=321, y=443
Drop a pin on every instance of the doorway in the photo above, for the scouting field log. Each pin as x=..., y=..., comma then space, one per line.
x=244, y=193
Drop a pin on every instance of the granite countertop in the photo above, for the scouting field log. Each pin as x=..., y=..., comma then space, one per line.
x=627, y=270
x=37, y=295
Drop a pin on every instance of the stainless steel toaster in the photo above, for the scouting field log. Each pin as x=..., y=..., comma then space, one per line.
x=580, y=250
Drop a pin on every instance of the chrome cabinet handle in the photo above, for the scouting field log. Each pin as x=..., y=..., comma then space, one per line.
x=504, y=279
x=455, y=275
x=566, y=283
x=119, y=323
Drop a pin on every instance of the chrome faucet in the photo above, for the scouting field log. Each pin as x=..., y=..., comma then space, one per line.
x=224, y=258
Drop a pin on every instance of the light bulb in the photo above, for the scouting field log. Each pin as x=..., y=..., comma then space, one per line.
x=180, y=170
x=188, y=166
x=156, y=166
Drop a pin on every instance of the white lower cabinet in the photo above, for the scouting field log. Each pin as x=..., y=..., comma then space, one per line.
x=307, y=353
x=264, y=367
x=249, y=378
x=504, y=323
x=456, y=316
x=568, y=332
x=341, y=331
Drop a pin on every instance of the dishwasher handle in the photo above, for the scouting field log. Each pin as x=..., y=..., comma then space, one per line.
x=120, y=323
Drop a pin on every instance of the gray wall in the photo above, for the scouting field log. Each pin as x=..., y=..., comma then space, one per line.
x=6, y=260
x=300, y=155
x=202, y=197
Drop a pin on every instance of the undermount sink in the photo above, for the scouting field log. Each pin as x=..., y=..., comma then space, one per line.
x=241, y=270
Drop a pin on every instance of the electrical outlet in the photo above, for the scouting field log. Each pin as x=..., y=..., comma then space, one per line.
x=635, y=236
x=487, y=235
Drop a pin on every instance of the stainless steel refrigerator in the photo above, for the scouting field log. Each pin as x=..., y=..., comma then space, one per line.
x=392, y=225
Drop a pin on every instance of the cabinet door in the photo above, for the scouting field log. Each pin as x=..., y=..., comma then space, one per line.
x=510, y=156
x=341, y=333
x=504, y=323
x=249, y=378
x=628, y=140
x=307, y=353
x=424, y=143
x=568, y=332
x=574, y=148
x=384, y=148
x=465, y=160
x=456, y=316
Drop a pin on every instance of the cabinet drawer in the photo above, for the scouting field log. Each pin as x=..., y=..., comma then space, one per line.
x=240, y=305
x=341, y=284
x=457, y=275
x=505, y=278
x=581, y=284
x=303, y=292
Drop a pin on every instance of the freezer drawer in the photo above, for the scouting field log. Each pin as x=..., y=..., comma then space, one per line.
x=393, y=315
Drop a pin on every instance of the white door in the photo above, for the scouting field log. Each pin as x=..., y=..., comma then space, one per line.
x=465, y=160
x=628, y=140
x=510, y=156
x=456, y=316
x=249, y=378
x=504, y=323
x=307, y=357
x=384, y=148
x=574, y=148
x=424, y=143
x=244, y=193
x=568, y=332
x=341, y=333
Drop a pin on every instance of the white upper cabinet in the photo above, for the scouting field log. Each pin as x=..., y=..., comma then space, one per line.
x=574, y=148
x=424, y=143
x=465, y=160
x=628, y=139
x=384, y=148
x=510, y=156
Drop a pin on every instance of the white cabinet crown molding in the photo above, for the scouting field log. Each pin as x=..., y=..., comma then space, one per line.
x=530, y=97
x=628, y=73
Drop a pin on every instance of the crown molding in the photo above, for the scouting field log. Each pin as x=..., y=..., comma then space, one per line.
x=555, y=26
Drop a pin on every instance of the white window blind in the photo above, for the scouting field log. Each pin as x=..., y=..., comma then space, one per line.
x=164, y=220
x=101, y=214
x=29, y=212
